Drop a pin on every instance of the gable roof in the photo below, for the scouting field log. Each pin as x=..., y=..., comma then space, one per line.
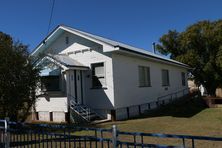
x=117, y=45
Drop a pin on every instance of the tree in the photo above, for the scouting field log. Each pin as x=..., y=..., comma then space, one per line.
x=18, y=79
x=199, y=46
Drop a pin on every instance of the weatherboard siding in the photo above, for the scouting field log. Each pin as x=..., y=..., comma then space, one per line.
x=57, y=106
x=126, y=80
x=87, y=53
x=51, y=105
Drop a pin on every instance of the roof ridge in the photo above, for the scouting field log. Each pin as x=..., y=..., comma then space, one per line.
x=124, y=45
x=114, y=43
x=100, y=36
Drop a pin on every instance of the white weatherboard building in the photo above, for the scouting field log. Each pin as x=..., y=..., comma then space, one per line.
x=86, y=76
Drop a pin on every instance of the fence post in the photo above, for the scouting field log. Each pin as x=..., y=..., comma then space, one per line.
x=115, y=136
x=7, y=134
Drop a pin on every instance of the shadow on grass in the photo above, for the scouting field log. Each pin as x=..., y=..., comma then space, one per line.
x=184, y=107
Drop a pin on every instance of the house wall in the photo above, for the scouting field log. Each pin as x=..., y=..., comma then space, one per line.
x=86, y=52
x=77, y=49
x=97, y=98
x=126, y=82
x=55, y=105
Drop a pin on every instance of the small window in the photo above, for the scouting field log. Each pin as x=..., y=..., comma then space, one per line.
x=165, y=77
x=98, y=75
x=67, y=40
x=183, y=79
x=50, y=83
x=144, y=76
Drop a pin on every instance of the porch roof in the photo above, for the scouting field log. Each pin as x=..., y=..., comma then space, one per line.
x=66, y=61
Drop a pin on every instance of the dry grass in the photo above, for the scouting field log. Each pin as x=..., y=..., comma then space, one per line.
x=189, y=116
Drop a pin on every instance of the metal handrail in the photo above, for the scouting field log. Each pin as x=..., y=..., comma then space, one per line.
x=88, y=109
x=158, y=99
x=93, y=111
x=171, y=94
x=78, y=108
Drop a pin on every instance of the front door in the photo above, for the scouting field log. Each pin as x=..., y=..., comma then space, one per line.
x=78, y=86
x=75, y=85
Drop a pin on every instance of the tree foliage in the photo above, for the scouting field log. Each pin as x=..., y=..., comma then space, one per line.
x=199, y=46
x=18, y=79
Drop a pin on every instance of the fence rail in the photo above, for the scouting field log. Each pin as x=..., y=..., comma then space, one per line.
x=65, y=136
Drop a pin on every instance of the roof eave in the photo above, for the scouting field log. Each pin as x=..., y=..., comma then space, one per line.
x=153, y=57
x=43, y=42
x=64, y=28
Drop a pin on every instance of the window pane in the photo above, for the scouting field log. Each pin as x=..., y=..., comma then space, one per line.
x=165, y=77
x=141, y=76
x=98, y=75
x=96, y=82
x=183, y=78
x=102, y=81
x=144, y=76
x=50, y=83
x=147, y=74
x=99, y=71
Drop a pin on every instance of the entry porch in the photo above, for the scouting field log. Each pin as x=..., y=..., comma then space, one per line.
x=61, y=94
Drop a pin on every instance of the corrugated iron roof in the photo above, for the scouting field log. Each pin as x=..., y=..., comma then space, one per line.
x=113, y=43
x=66, y=60
x=125, y=46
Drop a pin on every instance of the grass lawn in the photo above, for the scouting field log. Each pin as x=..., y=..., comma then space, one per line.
x=189, y=116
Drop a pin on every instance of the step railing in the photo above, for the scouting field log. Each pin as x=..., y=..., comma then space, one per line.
x=92, y=111
x=82, y=108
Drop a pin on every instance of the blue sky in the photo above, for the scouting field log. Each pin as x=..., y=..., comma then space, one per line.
x=135, y=22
